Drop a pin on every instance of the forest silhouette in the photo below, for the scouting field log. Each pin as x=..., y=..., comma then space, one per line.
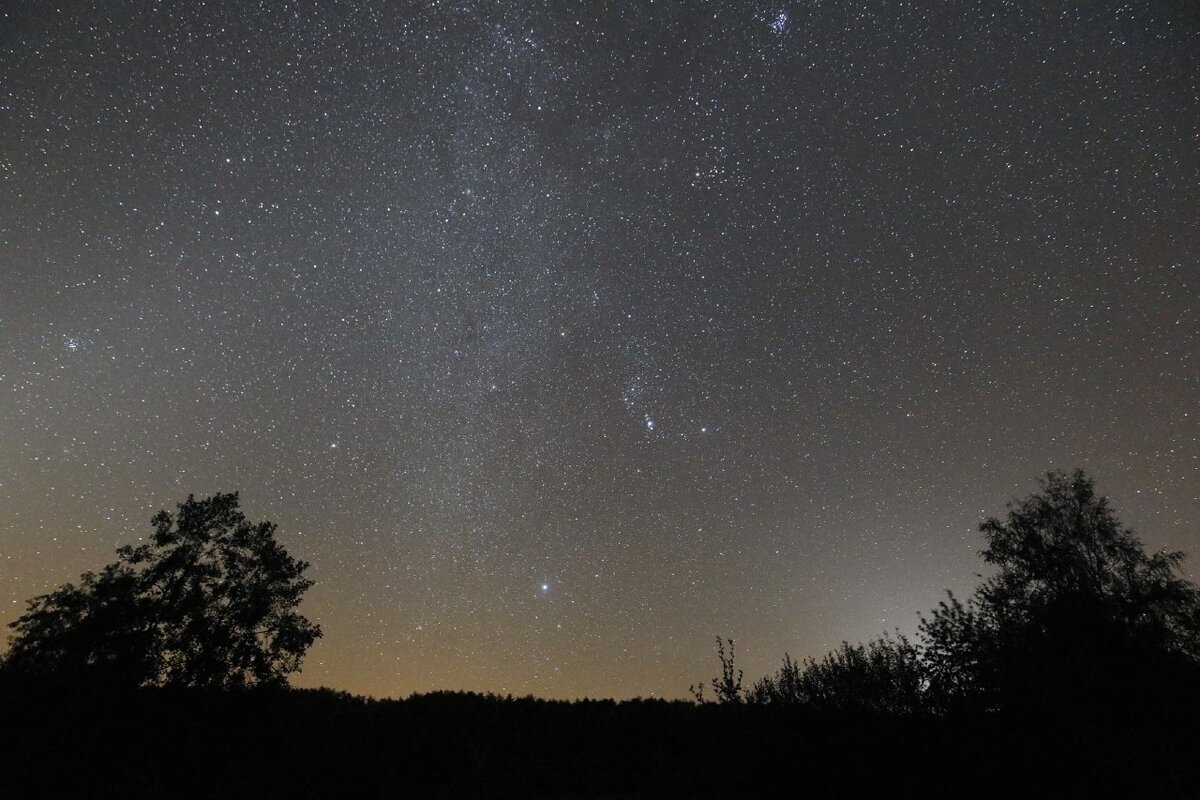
x=1072, y=670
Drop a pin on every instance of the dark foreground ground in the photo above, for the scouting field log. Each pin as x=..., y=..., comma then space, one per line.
x=61, y=743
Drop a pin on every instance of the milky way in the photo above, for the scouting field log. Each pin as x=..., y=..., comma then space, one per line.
x=563, y=337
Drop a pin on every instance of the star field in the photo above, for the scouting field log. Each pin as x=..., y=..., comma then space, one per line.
x=563, y=337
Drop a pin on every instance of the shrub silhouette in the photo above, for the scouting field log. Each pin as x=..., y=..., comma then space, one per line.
x=209, y=602
x=883, y=675
x=728, y=687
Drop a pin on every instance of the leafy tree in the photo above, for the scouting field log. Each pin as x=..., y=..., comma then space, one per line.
x=1076, y=609
x=210, y=601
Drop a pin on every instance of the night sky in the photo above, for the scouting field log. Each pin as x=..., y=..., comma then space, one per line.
x=563, y=337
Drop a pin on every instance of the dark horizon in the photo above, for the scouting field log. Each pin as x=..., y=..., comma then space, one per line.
x=563, y=339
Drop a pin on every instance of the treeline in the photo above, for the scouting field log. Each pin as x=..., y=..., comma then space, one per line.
x=195, y=744
x=1075, y=618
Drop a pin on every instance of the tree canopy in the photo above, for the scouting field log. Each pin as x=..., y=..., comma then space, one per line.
x=1075, y=606
x=209, y=601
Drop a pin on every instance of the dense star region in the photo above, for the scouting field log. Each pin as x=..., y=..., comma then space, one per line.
x=563, y=337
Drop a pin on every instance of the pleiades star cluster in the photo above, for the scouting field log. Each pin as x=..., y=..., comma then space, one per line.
x=562, y=337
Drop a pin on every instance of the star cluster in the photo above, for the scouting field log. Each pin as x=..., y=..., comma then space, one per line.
x=562, y=337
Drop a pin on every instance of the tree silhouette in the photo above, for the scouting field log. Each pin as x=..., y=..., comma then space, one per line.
x=210, y=601
x=1075, y=609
